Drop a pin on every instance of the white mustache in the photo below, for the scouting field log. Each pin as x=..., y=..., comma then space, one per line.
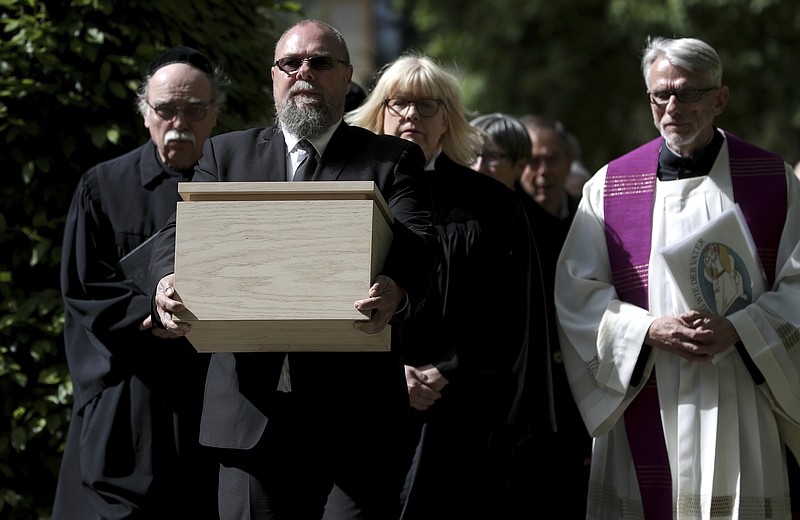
x=178, y=135
x=301, y=85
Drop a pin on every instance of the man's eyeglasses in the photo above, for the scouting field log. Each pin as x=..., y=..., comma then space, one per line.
x=492, y=158
x=292, y=64
x=689, y=95
x=192, y=112
x=426, y=107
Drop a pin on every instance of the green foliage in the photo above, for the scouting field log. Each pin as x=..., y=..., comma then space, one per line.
x=578, y=61
x=69, y=71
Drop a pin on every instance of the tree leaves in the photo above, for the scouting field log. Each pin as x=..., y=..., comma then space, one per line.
x=69, y=72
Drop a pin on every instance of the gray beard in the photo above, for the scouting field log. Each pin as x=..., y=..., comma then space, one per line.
x=306, y=121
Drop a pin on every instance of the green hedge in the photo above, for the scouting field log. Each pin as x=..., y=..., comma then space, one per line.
x=68, y=76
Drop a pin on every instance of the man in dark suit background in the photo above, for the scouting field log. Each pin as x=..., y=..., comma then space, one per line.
x=292, y=425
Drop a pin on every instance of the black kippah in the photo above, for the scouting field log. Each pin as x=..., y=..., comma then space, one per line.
x=180, y=54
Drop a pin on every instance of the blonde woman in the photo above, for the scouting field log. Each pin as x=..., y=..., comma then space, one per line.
x=463, y=351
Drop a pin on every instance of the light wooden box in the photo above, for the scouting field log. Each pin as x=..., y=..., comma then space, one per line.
x=277, y=266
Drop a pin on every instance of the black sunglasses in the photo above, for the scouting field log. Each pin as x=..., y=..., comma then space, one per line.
x=292, y=64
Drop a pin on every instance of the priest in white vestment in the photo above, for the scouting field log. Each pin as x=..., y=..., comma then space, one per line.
x=728, y=387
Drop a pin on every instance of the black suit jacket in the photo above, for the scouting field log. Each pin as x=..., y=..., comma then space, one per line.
x=360, y=389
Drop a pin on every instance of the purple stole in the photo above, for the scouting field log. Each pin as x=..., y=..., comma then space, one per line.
x=759, y=186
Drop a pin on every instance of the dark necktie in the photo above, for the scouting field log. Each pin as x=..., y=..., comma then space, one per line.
x=305, y=170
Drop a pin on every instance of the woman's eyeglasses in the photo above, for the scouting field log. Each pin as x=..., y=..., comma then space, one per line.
x=426, y=107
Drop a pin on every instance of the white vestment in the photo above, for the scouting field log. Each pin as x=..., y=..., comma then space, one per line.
x=724, y=434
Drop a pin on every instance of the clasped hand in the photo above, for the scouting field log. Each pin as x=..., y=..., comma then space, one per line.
x=424, y=385
x=695, y=335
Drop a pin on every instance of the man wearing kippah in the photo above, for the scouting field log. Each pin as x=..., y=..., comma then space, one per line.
x=132, y=447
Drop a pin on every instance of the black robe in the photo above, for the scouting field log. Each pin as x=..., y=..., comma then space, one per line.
x=132, y=445
x=490, y=329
